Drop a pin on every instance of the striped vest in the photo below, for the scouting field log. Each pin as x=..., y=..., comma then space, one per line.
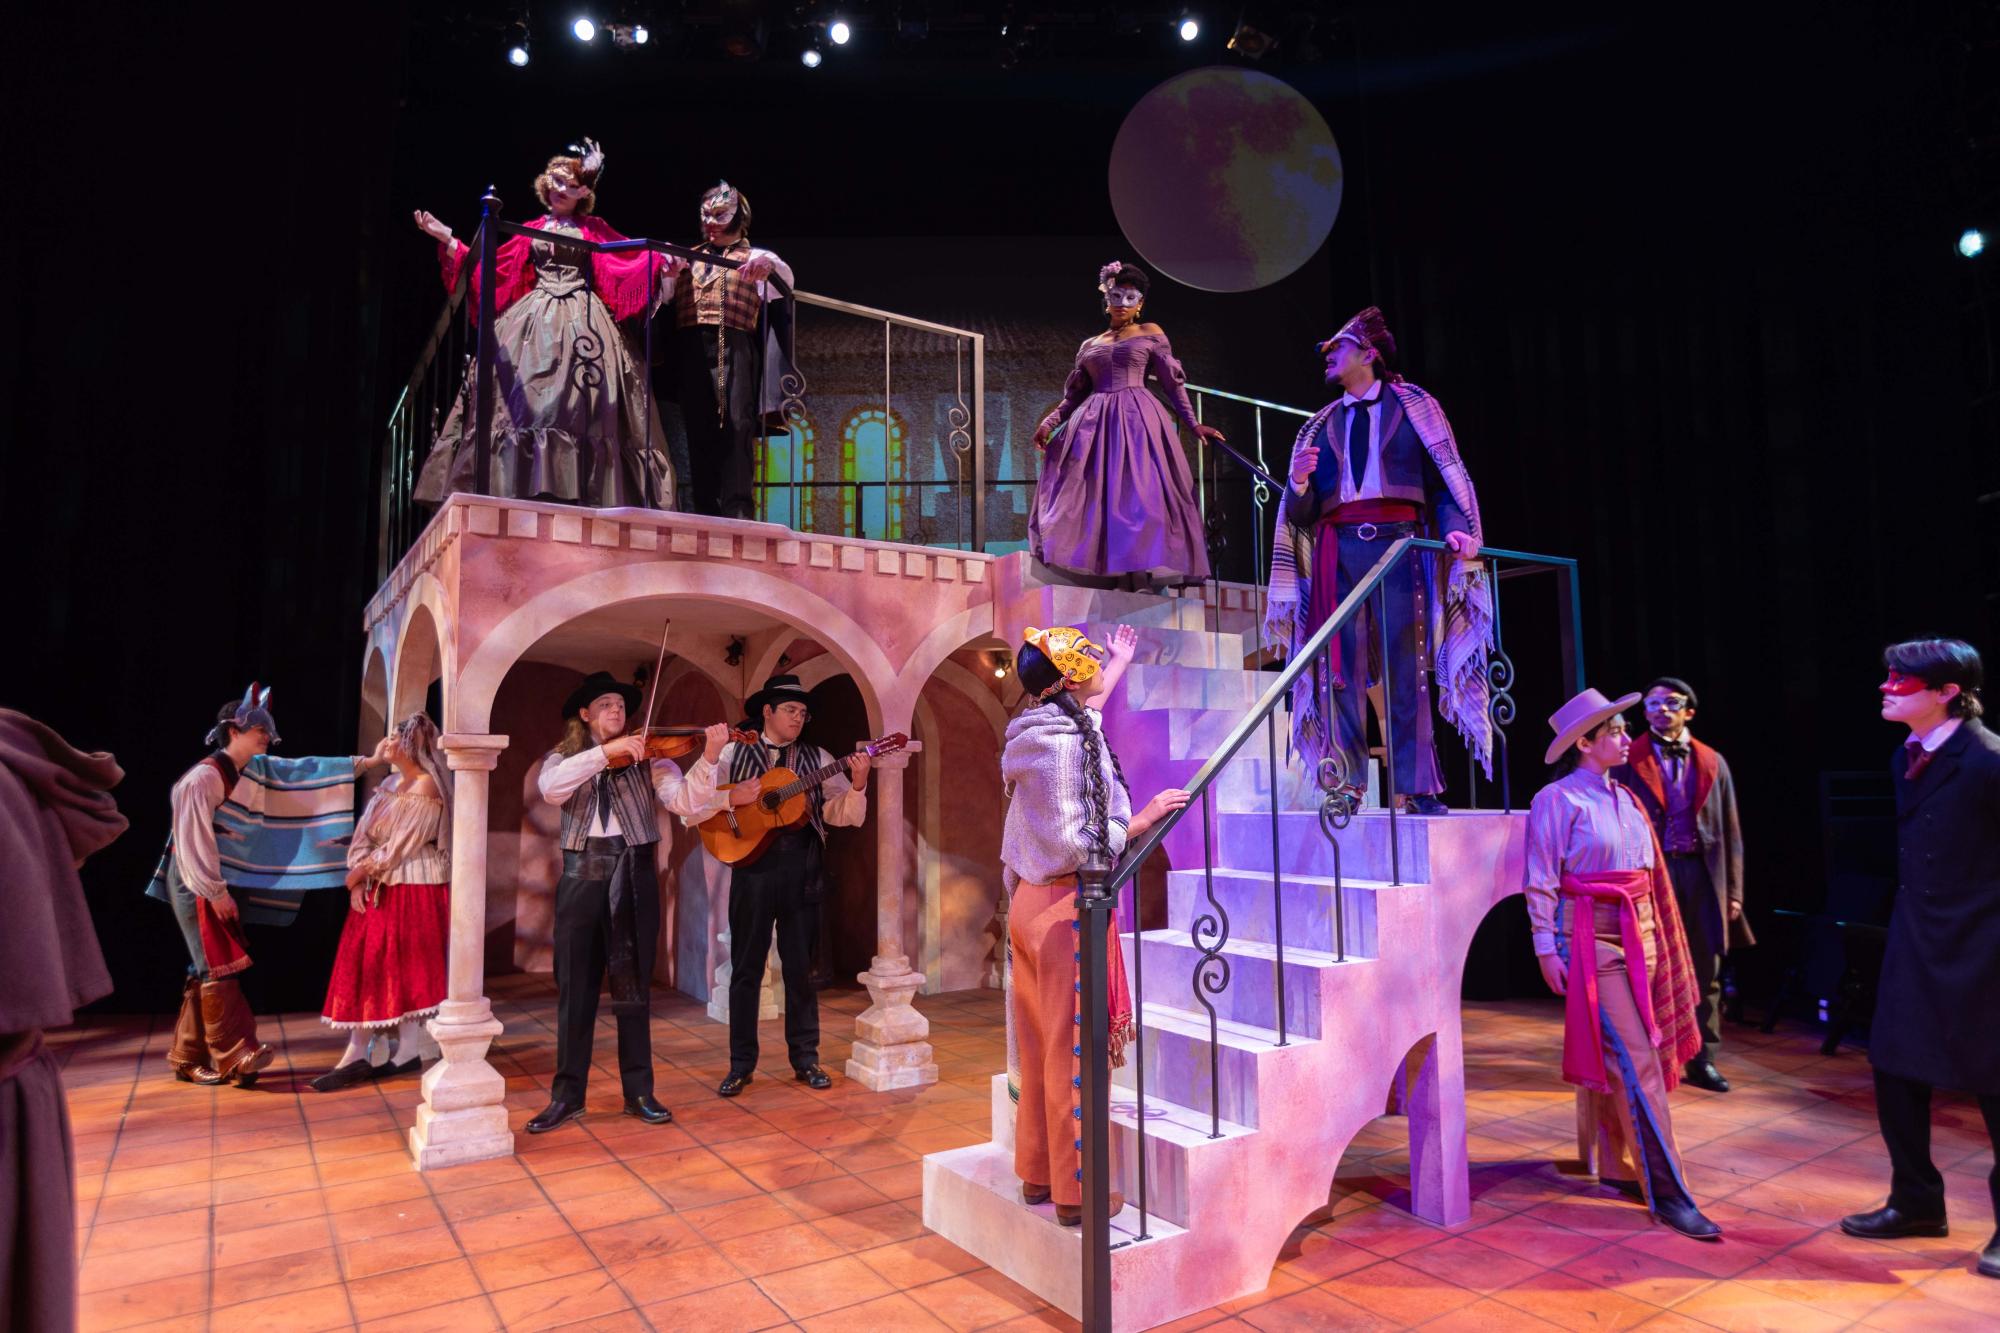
x=633, y=800
x=746, y=763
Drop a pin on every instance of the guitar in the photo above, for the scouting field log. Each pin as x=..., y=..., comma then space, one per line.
x=738, y=835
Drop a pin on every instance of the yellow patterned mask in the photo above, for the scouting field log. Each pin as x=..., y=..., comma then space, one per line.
x=1076, y=657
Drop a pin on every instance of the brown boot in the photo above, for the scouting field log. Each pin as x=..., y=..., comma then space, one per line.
x=1071, y=1214
x=188, y=1056
x=234, y=1051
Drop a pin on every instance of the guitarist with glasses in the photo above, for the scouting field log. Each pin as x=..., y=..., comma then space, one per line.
x=779, y=890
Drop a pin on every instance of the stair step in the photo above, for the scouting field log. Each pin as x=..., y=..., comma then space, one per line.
x=1150, y=685
x=1308, y=902
x=1251, y=994
x=1177, y=1049
x=1243, y=842
x=973, y=1199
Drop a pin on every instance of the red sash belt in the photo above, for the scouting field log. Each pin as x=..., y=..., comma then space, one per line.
x=1583, y=1026
x=222, y=944
x=1373, y=511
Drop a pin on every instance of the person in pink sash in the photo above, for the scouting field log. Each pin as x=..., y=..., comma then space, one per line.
x=1629, y=1012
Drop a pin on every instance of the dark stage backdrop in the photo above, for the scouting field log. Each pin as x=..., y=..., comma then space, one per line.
x=1688, y=294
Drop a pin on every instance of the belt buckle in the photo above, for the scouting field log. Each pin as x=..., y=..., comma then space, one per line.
x=1366, y=532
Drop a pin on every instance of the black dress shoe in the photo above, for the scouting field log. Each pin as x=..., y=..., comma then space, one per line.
x=346, y=1076
x=1425, y=805
x=1685, y=1218
x=1703, y=1074
x=648, y=1110
x=733, y=1084
x=558, y=1113
x=813, y=1077
x=389, y=1069
x=1889, y=1223
x=1989, y=1258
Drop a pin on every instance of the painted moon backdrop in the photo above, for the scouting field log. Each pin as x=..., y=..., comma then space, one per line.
x=1225, y=179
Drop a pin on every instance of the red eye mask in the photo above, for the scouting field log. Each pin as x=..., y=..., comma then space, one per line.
x=1900, y=684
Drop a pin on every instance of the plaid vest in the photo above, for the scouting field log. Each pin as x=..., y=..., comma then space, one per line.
x=633, y=800
x=707, y=294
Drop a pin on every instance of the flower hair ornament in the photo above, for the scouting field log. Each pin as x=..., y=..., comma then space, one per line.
x=1107, y=277
x=1068, y=651
x=253, y=711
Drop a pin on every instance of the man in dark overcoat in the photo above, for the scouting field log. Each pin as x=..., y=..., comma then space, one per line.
x=1937, y=1014
x=1686, y=790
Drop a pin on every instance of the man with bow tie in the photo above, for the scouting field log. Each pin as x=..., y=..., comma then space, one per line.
x=1685, y=788
x=1937, y=1007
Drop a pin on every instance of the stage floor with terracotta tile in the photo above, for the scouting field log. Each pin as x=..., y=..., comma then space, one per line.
x=280, y=1209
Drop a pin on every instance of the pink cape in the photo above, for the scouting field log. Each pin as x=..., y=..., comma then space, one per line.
x=624, y=282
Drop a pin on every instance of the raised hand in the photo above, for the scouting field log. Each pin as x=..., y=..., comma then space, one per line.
x=1124, y=642
x=428, y=224
x=713, y=739
x=1305, y=461
x=857, y=767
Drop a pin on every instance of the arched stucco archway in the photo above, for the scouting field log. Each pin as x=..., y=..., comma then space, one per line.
x=765, y=594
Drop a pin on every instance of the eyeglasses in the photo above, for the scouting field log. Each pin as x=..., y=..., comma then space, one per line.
x=1666, y=703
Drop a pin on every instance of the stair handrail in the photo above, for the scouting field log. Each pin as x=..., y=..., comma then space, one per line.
x=1099, y=893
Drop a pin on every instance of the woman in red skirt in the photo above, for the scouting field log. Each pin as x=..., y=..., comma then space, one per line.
x=390, y=971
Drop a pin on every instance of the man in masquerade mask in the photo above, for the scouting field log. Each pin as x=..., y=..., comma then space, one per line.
x=1937, y=1010
x=728, y=350
x=1686, y=790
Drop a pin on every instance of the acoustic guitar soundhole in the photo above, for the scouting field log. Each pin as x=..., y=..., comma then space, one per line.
x=771, y=801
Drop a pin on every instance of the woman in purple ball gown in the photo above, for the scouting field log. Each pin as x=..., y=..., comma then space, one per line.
x=1115, y=504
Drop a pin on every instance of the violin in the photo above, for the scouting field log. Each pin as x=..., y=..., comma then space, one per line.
x=677, y=743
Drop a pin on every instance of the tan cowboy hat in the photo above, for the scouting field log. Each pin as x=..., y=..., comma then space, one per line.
x=1580, y=716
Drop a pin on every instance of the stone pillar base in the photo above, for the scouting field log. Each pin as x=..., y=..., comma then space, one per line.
x=889, y=1046
x=770, y=996
x=462, y=1118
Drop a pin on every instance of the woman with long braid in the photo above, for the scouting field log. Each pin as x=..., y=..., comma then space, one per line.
x=1068, y=802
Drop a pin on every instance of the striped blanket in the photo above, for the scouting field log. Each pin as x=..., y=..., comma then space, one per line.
x=282, y=832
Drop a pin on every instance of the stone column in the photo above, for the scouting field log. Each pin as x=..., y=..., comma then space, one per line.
x=889, y=1046
x=462, y=1118
x=770, y=996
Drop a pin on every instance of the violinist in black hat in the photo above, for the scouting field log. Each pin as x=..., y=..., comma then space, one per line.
x=608, y=900
x=779, y=892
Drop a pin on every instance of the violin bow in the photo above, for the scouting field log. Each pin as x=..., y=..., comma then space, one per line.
x=653, y=688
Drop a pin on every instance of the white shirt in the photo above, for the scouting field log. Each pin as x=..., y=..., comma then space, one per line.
x=1370, y=404
x=1935, y=738
x=764, y=291
x=687, y=796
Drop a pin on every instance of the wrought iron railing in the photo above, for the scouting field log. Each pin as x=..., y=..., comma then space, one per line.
x=1101, y=889
x=456, y=368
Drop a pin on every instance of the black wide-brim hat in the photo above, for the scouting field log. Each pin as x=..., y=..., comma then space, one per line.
x=594, y=687
x=777, y=690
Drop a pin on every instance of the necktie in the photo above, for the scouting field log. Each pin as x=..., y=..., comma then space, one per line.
x=1674, y=749
x=604, y=807
x=1920, y=759
x=1357, y=442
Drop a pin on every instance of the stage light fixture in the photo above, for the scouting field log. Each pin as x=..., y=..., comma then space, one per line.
x=584, y=29
x=1971, y=243
x=839, y=32
x=641, y=34
x=517, y=56
x=1250, y=41
x=1190, y=27
x=810, y=57
x=517, y=45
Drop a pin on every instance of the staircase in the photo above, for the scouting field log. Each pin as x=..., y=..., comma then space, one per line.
x=1236, y=1160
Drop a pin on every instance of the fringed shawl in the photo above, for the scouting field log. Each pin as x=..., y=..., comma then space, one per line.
x=1461, y=601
